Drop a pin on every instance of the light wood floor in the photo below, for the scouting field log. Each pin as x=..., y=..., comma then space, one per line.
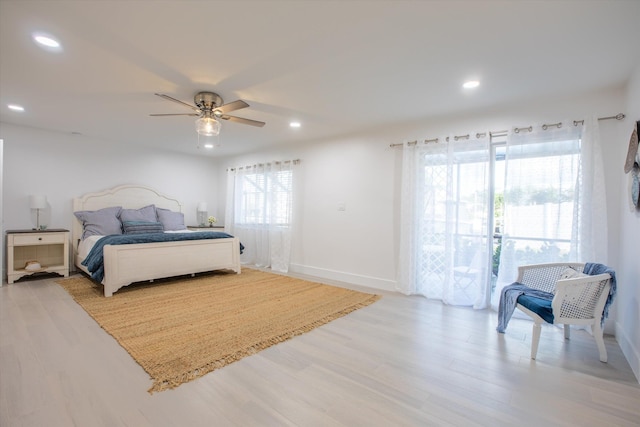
x=403, y=361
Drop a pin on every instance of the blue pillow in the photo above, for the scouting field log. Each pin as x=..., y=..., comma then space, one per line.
x=147, y=214
x=102, y=222
x=141, y=227
x=171, y=221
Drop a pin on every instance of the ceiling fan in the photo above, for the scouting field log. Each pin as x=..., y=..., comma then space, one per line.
x=209, y=107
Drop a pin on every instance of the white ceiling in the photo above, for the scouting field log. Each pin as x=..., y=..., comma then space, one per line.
x=338, y=67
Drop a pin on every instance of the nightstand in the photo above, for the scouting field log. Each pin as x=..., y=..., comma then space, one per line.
x=50, y=248
x=219, y=228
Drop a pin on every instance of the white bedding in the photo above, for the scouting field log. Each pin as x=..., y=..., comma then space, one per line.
x=84, y=247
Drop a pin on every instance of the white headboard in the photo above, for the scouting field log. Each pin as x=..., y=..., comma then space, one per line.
x=127, y=196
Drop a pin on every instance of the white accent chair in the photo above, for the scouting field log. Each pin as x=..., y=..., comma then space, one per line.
x=576, y=300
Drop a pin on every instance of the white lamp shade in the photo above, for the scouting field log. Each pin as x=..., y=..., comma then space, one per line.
x=38, y=202
x=202, y=207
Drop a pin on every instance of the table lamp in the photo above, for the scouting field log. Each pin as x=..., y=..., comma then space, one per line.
x=202, y=213
x=37, y=203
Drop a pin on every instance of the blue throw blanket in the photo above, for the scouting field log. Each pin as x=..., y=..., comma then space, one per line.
x=509, y=300
x=593, y=269
x=95, y=259
x=509, y=295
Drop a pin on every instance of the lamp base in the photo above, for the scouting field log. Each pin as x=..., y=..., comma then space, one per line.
x=202, y=218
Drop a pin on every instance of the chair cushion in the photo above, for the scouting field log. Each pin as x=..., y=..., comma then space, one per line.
x=540, y=306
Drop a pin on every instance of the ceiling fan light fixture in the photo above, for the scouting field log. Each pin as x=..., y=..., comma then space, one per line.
x=207, y=126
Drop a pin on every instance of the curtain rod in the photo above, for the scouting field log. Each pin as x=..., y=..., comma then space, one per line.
x=619, y=116
x=295, y=162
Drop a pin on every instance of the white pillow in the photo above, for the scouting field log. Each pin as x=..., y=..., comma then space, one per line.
x=570, y=273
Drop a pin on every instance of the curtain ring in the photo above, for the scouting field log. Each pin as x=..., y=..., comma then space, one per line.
x=546, y=126
x=517, y=130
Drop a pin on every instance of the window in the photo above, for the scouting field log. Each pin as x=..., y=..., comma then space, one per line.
x=540, y=200
x=260, y=212
x=265, y=198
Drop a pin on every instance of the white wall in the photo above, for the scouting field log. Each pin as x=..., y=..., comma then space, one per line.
x=628, y=272
x=63, y=166
x=351, y=245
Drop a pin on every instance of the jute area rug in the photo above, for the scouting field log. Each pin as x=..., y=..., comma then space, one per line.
x=179, y=330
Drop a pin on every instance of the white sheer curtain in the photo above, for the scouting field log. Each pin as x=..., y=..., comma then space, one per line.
x=444, y=237
x=259, y=211
x=554, y=200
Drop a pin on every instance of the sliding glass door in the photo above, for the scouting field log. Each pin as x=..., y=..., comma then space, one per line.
x=451, y=222
x=540, y=219
x=474, y=209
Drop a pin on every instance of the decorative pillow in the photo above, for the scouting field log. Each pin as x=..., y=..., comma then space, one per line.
x=147, y=214
x=171, y=221
x=102, y=222
x=570, y=273
x=141, y=227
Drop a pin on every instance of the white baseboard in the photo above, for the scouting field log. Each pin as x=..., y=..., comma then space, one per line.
x=629, y=350
x=341, y=276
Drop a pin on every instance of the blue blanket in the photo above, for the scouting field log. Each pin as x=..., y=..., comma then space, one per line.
x=509, y=300
x=593, y=269
x=95, y=259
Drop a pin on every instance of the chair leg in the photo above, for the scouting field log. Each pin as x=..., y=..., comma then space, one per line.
x=535, y=339
x=597, y=334
x=567, y=332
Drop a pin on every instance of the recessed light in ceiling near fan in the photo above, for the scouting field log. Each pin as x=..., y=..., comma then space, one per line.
x=209, y=108
x=47, y=42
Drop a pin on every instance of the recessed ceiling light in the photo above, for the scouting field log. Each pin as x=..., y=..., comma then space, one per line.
x=295, y=124
x=15, y=107
x=471, y=84
x=47, y=42
x=208, y=146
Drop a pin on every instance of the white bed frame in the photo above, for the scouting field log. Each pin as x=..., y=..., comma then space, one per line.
x=125, y=264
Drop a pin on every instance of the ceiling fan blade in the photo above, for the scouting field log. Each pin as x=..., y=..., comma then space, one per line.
x=168, y=98
x=243, y=121
x=184, y=114
x=232, y=106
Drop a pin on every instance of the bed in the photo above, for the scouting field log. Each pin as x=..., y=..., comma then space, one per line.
x=128, y=263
